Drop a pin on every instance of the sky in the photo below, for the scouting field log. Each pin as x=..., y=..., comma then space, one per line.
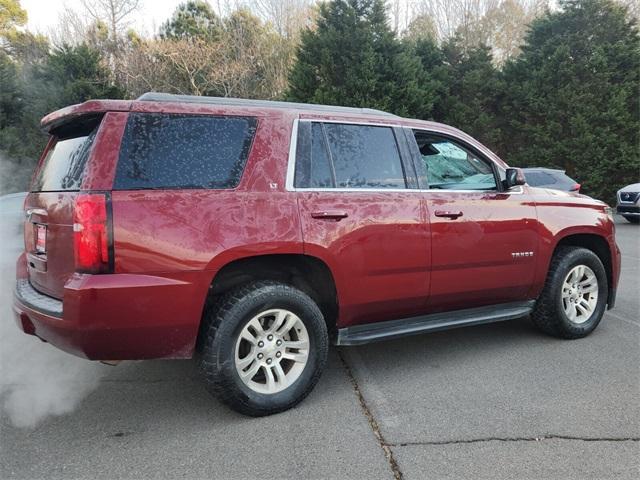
x=43, y=14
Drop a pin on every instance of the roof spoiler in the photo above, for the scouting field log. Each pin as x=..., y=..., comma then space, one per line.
x=91, y=107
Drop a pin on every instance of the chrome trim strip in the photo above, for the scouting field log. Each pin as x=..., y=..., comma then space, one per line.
x=36, y=211
x=291, y=165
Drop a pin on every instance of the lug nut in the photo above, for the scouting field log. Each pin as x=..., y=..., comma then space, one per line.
x=278, y=354
x=270, y=337
x=279, y=342
x=261, y=344
x=268, y=360
x=260, y=355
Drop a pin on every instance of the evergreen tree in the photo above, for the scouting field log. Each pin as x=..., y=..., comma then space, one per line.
x=571, y=98
x=193, y=19
x=353, y=58
x=64, y=77
x=472, y=90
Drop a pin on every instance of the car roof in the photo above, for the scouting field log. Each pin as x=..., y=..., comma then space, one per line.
x=192, y=104
x=242, y=102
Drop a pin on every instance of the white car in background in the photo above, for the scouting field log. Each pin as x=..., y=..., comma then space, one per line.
x=629, y=202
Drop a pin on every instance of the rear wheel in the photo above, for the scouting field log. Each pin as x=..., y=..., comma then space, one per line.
x=574, y=296
x=263, y=348
x=631, y=219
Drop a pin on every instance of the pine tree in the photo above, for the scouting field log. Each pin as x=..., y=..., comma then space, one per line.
x=472, y=90
x=193, y=19
x=353, y=58
x=572, y=97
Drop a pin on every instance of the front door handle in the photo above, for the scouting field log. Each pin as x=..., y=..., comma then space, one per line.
x=447, y=214
x=330, y=214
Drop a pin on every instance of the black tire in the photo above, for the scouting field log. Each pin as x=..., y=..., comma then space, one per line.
x=548, y=314
x=223, y=323
x=631, y=219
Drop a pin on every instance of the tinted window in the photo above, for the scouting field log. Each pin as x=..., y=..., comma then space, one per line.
x=321, y=175
x=183, y=151
x=451, y=166
x=364, y=156
x=64, y=165
x=539, y=178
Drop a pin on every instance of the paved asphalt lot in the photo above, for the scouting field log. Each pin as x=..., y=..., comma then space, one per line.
x=495, y=401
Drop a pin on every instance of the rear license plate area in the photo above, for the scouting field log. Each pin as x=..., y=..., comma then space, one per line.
x=41, y=238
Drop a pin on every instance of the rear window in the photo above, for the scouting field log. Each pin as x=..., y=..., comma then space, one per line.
x=183, y=151
x=64, y=164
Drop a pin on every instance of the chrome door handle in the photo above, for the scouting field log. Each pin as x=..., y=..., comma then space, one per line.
x=447, y=214
x=330, y=214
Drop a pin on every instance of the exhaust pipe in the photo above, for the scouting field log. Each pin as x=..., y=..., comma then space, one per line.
x=112, y=363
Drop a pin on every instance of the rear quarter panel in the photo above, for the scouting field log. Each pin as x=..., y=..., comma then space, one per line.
x=171, y=232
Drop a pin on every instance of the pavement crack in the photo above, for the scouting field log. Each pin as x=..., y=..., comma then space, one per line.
x=386, y=447
x=539, y=438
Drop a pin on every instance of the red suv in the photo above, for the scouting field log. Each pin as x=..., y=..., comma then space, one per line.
x=250, y=234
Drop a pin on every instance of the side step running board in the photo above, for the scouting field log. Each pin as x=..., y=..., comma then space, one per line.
x=373, y=332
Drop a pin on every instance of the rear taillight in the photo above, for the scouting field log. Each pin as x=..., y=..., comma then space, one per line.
x=575, y=188
x=92, y=239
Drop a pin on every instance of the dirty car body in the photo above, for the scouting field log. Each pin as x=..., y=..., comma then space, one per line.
x=125, y=255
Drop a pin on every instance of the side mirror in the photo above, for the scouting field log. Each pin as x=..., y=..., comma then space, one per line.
x=513, y=177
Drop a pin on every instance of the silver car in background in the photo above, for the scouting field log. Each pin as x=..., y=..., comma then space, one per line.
x=629, y=202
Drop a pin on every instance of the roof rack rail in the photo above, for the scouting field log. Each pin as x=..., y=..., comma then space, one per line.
x=241, y=102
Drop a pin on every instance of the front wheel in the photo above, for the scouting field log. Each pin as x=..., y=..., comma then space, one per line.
x=263, y=348
x=574, y=297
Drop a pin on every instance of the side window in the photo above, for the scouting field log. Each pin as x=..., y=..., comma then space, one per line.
x=364, y=156
x=313, y=163
x=321, y=175
x=451, y=166
x=183, y=151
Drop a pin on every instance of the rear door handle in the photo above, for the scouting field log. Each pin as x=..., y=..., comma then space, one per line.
x=447, y=214
x=330, y=214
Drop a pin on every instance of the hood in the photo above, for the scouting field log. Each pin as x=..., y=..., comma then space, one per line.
x=634, y=187
x=569, y=197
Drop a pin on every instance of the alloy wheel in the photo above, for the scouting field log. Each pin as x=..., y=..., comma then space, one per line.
x=580, y=294
x=272, y=351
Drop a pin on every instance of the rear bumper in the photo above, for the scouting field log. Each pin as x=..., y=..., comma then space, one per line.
x=115, y=317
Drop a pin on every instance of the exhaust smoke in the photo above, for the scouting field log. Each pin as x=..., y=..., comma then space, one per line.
x=36, y=379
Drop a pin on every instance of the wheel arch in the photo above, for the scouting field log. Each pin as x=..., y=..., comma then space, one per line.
x=305, y=272
x=598, y=244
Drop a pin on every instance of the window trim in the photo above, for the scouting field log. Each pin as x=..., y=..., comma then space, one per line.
x=494, y=166
x=293, y=146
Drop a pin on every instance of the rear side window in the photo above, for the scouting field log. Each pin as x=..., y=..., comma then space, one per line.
x=64, y=164
x=365, y=156
x=333, y=155
x=183, y=151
